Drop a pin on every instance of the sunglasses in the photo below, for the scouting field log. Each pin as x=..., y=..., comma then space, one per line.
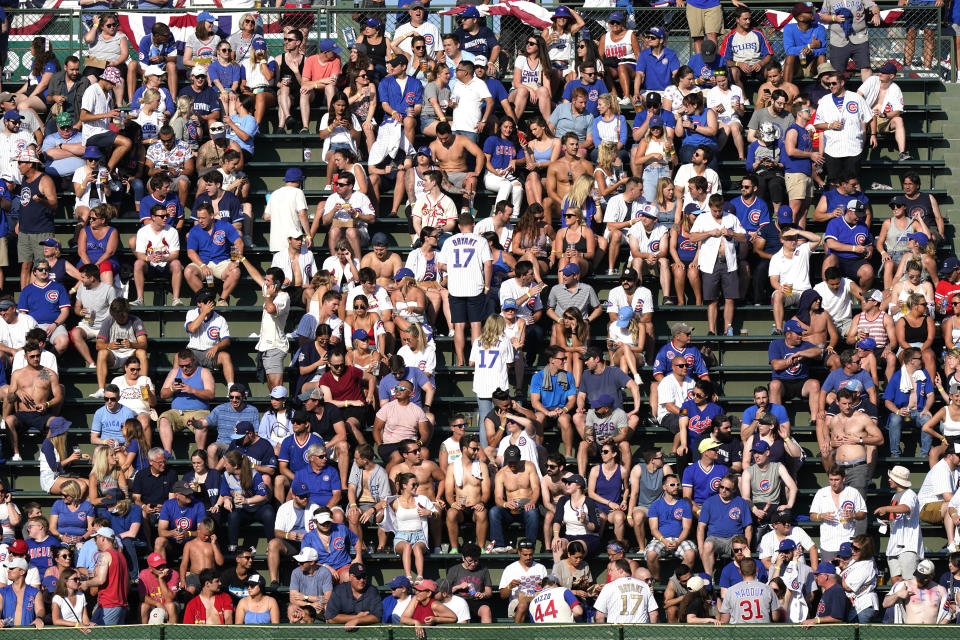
x=42, y=269
x=249, y=21
x=531, y=43
x=832, y=84
x=110, y=24
x=681, y=366
x=290, y=40
x=723, y=488
x=160, y=215
x=110, y=398
x=461, y=425
x=362, y=74
x=343, y=184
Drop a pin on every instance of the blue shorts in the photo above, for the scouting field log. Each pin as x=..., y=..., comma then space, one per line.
x=410, y=537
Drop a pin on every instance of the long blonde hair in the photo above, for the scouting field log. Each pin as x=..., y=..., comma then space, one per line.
x=606, y=154
x=184, y=105
x=415, y=330
x=662, y=185
x=635, y=327
x=101, y=463
x=493, y=330
x=579, y=191
x=60, y=445
x=612, y=103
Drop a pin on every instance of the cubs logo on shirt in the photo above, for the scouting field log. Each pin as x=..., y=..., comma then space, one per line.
x=655, y=246
x=593, y=95
x=795, y=585
x=338, y=544
x=688, y=245
x=764, y=485
x=219, y=237
x=754, y=216
x=25, y=196
x=861, y=239
x=678, y=513
x=715, y=484
x=853, y=107
x=734, y=513
x=52, y=295
x=214, y=333
x=847, y=507
x=410, y=97
x=522, y=441
x=428, y=39
x=183, y=523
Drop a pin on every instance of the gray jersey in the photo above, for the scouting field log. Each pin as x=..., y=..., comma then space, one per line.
x=750, y=602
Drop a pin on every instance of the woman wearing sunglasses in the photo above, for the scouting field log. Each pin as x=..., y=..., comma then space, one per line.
x=107, y=47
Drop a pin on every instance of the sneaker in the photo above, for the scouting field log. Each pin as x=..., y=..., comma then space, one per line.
x=97, y=395
x=612, y=272
x=776, y=332
x=16, y=458
x=489, y=548
x=667, y=302
x=304, y=130
x=625, y=102
x=177, y=302
x=222, y=303
x=903, y=156
x=879, y=186
x=274, y=584
x=136, y=303
x=729, y=331
x=637, y=378
x=454, y=551
x=91, y=365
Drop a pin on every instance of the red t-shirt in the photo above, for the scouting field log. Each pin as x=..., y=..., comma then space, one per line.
x=150, y=586
x=196, y=612
x=942, y=293
x=348, y=387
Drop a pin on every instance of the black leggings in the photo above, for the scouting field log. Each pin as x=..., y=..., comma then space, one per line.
x=772, y=188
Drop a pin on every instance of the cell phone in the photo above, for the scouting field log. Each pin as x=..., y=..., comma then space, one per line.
x=178, y=381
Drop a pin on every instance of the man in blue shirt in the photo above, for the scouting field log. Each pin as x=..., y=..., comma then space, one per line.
x=791, y=376
x=401, y=97
x=572, y=116
x=656, y=64
x=762, y=406
x=47, y=302
x=834, y=606
x=62, y=149
x=225, y=418
x=476, y=38
x=912, y=405
x=705, y=63
x=591, y=82
x=210, y=254
x=553, y=395
x=679, y=345
x=206, y=101
x=702, y=480
x=730, y=574
x=849, y=244
x=257, y=450
x=323, y=481
x=670, y=519
x=850, y=369
x=179, y=517
x=356, y=602
x=157, y=49
x=107, y=427
x=723, y=516
x=226, y=205
x=159, y=187
x=641, y=122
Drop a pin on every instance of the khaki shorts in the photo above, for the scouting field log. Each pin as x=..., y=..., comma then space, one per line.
x=883, y=124
x=704, y=21
x=178, y=419
x=87, y=330
x=219, y=268
x=931, y=512
x=799, y=186
x=28, y=246
x=4, y=254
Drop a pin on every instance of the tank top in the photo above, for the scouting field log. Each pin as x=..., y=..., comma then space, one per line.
x=620, y=49
x=921, y=205
x=610, y=488
x=58, y=272
x=114, y=592
x=561, y=52
x=951, y=427
x=896, y=241
x=501, y=271
x=188, y=401
x=256, y=617
x=529, y=75
x=376, y=53
x=655, y=145
x=408, y=520
x=542, y=156
x=696, y=139
x=287, y=70
x=430, y=273
x=422, y=611
x=96, y=248
x=651, y=486
x=27, y=613
x=580, y=245
x=418, y=190
x=255, y=80
x=765, y=486
x=915, y=335
x=686, y=248
x=874, y=328
x=35, y=217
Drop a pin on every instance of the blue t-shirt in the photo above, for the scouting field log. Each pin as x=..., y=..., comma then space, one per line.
x=669, y=120
x=227, y=74
x=341, y=541
x=400, y=100
x=224, y=419
x=700, y=420
x=804, y=143
x=480, y=44
x=228, y=209
x=779, y=350
x=247, y=124
x=230, y=483
x=753, y=215
x=555, y=397
x=40, y=553
x=834, y=603
x=726, y=519
x=731, y=575
x=109, y=424
x=205, y=101
x=295, y=455
x=121, y=524
x=771, y=234
x=185, y=518
x=171, y=203
x=148, y=49
x=594, y=91
x=259, y=453
x=502, y=152
x=775, y=409
x=670, y=517
x=899, y=398
x=414, y=375
x=658, y=71
x=612, y=381
x=663, y=363
x=321, y=485
x=703, y=69
x=838, y=377
x=72, y=523
x=498, y=91
x=858, y=234
x=213, y=245
x=43, y=304
x=704, y=483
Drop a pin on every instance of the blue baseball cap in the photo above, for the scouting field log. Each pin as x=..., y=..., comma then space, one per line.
x=12, y=114
x=760, y=446
x=603, y=400
x=845, y=550
x=243, y=428
x=328, y=45
x=867, y=343
x=400, y=581
x=372, y=22
x=787, y=545
x=656, y=32
x=402, y=273
x=300, y=489
x=785, y=214
x=693, y=207
x=950, y=265
x=794, y=326
x=656, y=122
x=360, y=334
x=92, y=153
x=571, y=269
x=826, y=567
x=259, y=44
x=561, y=12
x=509, y=303
x=425, y=151
x=50, y=242
x=206, y=16
x=624, y=316
x=729, y=207
x=617, y=16
x=293, y=174
x=920, y=238
x=852, y=384
x=470, y=12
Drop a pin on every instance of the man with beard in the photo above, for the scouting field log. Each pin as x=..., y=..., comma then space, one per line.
x=791, y=375
x=516, y=492
x=467, y=489
x=670, y=520
x=384, y=262
x=762, y=406
x=730, y=451
x=923, y=599
x=850, y=370
x=551, y=488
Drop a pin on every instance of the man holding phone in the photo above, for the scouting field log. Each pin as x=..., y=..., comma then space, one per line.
x=272, y=346
x=190, y=388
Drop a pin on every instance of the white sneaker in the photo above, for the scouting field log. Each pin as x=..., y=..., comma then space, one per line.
x=177, y=302
x=137, y=303
x=98, y=394
x=16, y=458
x=637, y=378
x=91, y=365
x=625, y=102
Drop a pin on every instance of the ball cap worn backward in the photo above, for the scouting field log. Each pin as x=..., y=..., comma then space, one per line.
x=695, y=583
x=900, y=475
x=706, y=444
x=156, y=560
x=950, y=265
x=925, y=569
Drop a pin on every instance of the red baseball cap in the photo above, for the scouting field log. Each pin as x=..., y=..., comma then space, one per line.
x=156, y=560
x=18, y=547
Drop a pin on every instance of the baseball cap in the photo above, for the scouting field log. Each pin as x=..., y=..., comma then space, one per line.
x=379, y=238
x=708, y=50
x=402, y=273
x=648, y=211
x=630, y=274
x=802, y=7
x=867, y=343
x=693, y=207
x=92, y=153
x=617, y=16
x=329, y=45
x=300, y=489
x=785, y=214
x=152, y=70
x=279, y=392
x=511, y=454
x=426, y=585
x=156, y=560
x=826, y=567
x=12, y=114
x=656, y=31
x=887, y=67
x=574, y=478
x=182, y=488
x=509, y=303
x=603, y=400
x=64, y=119
x=760, y=446
x=897, y=201
x=360, y=335
x=680, y=327
x=307, y=554
x=950, y=265
x=706, y=444
x=782, y=517
x=624, y=316
x=920, y=238
x=561, y=12
x=470, y=12
x=397, y=61
x=399, y=581
x=656, y=122
x=652, y=99
x=205, y=16
x=372, y=22
x=198, y=71
x=572, y=269
x=242, y=428
x=106, y=532
x=7, y=304
x=925, y=568
x=255, y=579
x=852, y=384
x=787, y=545
x=50, y=242
x=6, y=96
x=793, y=326
x=18, y=547
x=729, y=207
x=218, y=130
x=480, y=62
x=858, y=207
x=845, y=550
x=359, y=570
x=17, y=563
x=425, y=151
x=301, y=415
x=874, y=294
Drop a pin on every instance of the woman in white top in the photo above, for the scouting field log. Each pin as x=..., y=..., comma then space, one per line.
x=201, y=45
x=515, y=329
x=684, y=83
x=489, y=357
x=859, y=580
x=728, y=102
x=342, y=266
x=275, y=423
x=417, y=351
x=258, y=75
x=530, y=71
x=408, y=299
x=90, y=185
x=131, y=385
x=338, y=129
x=560, y=45
x=653, y=157
x=423, y=263
x=625, y=340
x=69, y=603
x=619, y=48
x=150, y=117
x=407, y=516
x=949, y=416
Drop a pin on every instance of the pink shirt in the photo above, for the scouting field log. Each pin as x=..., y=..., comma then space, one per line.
x=150, y=586
x=401, y=421
x=313, y=69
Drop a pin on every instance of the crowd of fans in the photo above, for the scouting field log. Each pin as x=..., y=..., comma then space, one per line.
x=346, y=464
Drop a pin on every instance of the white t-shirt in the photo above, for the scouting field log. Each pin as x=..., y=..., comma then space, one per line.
x=861, y=577
x=505, y=236
x=469, y=109
x=527, y=446
x=286, y=518
x=669, y=390
x=626, y=601
x=340, y=135
x=71, y=611
x=464, y=255
x=796, y=270
x=33, y=576
x=379, y=301
x=6, y=509
x=162, y=243
x=529, y=578
x=360, y=204
x=340, y=277
x=686, y=171
x=716, y=97
x=212, y=331
x=710, y=247
x=47, y=359
x=836, y=304
x=490, y=367
x=938, y=481
x=769, y=542
x=305, y=262
x=641, y=301
x=95, y=101
x=800, y=580
x=15, y=335
x=284, y=208
x=833, y=534
x=905, y=534
x=459, y=607
x=130, y=396
x=649, y=241
x=430, y=33
x=425, y=360
x=272, y=335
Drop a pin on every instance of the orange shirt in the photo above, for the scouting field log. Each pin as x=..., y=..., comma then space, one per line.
x=314, y=70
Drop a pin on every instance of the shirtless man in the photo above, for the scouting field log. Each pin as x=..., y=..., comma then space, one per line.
x=33, y=394
x=562, y=173
x=516, y=491
x=551, y=488
x=821, y=332
x=872, y=310
x=418, y=462
x=467, y=488
x=200, y=553
x=450, y=152
x=922, y=597
x=384, y=262
x=844, y=439
x=366, y=503
x=775, y=80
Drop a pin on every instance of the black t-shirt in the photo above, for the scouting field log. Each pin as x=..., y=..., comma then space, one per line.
x=323, y=425
x=479, y=578
x=730, y=452
x=151, y=489
x=834, y=603
x=231, y=583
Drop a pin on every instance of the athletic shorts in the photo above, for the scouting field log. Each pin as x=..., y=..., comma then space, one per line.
x=464, y=310
x=273, y=360
x=721, y=280
x=859, y=53
x=849, y=267
x=32, y=419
